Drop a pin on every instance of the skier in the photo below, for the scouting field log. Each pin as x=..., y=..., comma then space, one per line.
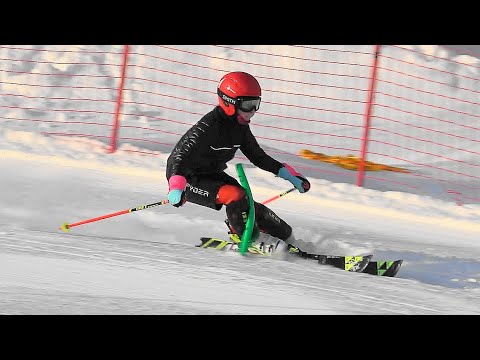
x=195, y=168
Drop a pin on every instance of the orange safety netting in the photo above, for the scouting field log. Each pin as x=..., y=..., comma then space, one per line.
x=349, y=162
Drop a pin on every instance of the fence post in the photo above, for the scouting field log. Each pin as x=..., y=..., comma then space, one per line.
x=113, y=142
x=368, y=113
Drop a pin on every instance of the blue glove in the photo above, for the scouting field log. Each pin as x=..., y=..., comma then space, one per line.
x=176, y=195
x=298, y=180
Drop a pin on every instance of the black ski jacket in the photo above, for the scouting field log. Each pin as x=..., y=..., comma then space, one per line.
x=212, y=142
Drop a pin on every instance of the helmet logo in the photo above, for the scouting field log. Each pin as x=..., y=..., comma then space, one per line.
x=228, y=99
x=229, y=88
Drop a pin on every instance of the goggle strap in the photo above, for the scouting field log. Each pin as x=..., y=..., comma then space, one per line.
x=226, y=98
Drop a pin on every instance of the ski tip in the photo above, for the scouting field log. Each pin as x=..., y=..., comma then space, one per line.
x=387, y=268
x=64, y=227
x=203, y=241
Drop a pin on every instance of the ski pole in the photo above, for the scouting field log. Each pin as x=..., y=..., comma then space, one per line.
x=65, y=226
x=278, y=196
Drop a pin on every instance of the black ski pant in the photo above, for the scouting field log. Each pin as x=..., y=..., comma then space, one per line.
x=202, y=189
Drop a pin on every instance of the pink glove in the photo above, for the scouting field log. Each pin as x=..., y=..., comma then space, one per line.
x=176, y=187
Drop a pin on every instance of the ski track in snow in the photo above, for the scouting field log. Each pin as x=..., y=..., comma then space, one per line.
x=264, y=289
x=146, y=262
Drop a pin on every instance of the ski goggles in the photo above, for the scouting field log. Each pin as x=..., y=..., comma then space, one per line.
x=245, y=103
x=248, y=104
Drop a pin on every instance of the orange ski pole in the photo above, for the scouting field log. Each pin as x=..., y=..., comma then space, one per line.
x=65, y=226
x=278, y=196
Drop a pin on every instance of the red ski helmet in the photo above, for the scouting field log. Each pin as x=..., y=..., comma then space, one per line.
x=238, y=90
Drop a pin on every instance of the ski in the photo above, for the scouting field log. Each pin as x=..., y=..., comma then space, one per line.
x=356, y=263
x=361, y=263
x=348, y=263
x=388, y=268
x=383, y=268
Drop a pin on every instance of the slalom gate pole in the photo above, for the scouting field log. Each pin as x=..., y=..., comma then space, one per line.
x=279, y=196
x=249, y=225
x=65, y=226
